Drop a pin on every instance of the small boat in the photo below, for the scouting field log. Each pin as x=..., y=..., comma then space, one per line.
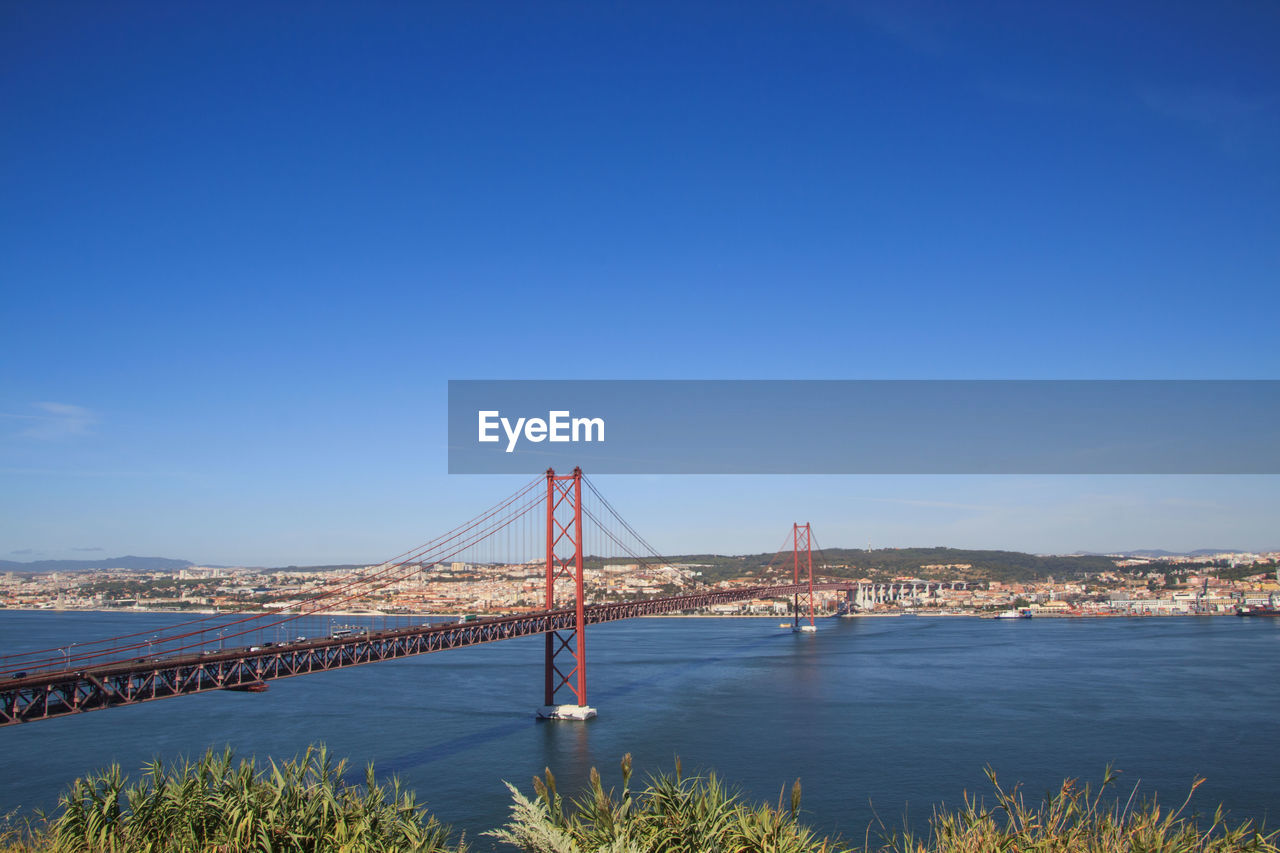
x=806, y=629
x=1258, y=610
x=1014, y=614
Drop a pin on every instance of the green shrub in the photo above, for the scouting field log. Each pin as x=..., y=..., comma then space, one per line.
x=215, y=804
x=699, y=815
x=1078, y=819
x=672, y=814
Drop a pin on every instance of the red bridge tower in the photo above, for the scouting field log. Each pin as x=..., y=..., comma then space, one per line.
x=802, y=533
x=566, y=654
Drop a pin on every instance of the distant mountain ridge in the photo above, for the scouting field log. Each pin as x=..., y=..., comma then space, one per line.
x=926, y=563
x=139, y=564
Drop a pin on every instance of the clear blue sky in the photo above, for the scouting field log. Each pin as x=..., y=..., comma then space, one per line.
x=242, y=250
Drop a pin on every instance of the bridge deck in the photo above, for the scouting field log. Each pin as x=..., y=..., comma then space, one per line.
x=42, y=695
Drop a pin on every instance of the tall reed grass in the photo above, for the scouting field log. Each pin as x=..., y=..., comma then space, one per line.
x=1079, y=818
x=216, y=804
x=304, y=805
x=677, y=814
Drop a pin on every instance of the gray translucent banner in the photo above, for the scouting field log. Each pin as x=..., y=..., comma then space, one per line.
x=865, y=426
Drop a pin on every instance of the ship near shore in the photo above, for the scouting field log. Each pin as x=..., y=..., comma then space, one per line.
x=1258, y=610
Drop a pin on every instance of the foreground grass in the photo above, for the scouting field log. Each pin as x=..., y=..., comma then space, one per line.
x=215, y=804
x=692, y=815
x=671, y=814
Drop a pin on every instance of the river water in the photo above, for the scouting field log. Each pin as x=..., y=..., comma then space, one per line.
x=878, y=716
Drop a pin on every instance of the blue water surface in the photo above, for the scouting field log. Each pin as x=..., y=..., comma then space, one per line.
x=881, y=718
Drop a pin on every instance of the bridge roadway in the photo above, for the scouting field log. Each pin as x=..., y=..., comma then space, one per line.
x=56, y=693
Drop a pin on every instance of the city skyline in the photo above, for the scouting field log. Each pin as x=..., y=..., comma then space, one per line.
x=245, y=252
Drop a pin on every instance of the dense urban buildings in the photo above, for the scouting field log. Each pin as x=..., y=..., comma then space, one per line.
x=1203, y=584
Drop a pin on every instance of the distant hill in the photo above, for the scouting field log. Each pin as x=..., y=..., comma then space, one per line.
x=897, y=562
x=141, y=564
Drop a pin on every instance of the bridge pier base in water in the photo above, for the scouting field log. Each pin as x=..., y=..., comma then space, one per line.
x=566, y=712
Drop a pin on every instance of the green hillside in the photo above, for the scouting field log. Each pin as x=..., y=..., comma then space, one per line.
x=885, y=563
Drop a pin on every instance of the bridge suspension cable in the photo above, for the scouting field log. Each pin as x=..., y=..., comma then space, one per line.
x=192, y=634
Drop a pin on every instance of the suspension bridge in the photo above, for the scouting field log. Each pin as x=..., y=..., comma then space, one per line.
x=556, y=523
